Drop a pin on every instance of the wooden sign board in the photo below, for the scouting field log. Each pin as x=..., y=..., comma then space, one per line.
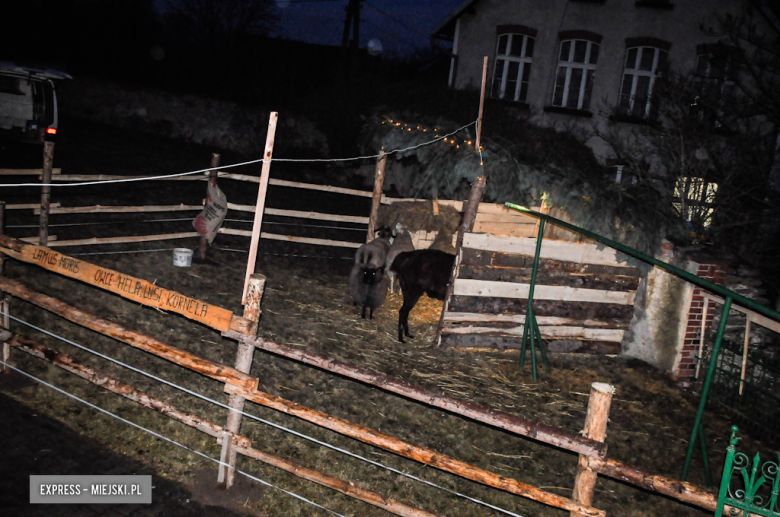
x=125, y=286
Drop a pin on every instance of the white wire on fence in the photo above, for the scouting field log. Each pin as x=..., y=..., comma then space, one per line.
x=250, y=162
x=169, y=440
x=267, y=422
x=180, y=219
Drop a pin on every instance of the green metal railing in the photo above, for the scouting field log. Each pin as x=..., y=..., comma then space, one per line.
x=697, y=433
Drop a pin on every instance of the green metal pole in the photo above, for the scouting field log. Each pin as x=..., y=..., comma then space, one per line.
x=705, y=389
x=541, y=346
x=731, y=451
x=705, y=456
x=525, y=337
x=530, y=319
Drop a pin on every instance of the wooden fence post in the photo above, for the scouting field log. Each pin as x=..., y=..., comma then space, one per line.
x=260, y=205
x=244, y=357
x=48, y=160
x=469, y=210
x=595, y=429
x=204, y=243
x=5, y=304
x=376, y=201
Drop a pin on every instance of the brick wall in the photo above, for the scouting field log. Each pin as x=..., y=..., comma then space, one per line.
x=686, y=369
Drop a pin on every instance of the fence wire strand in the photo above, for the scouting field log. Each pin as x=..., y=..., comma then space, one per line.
x=250, y=162
x=169, y=440
x=267, y=422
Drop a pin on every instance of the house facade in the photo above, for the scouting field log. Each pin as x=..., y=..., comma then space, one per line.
x=587, y=62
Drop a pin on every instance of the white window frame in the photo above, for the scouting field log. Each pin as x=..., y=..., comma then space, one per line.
x=570, y=65
x=523, y=60
x=637, y=73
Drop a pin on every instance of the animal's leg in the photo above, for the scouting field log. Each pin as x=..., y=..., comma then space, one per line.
x=411, y=296
x=363, y=314
x=370, y=313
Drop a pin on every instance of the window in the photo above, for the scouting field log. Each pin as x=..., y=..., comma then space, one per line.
x=716, y=73
x=513, y=67
x=643, y=65
x=576, y=69
x=694, y=199
x=10, y=85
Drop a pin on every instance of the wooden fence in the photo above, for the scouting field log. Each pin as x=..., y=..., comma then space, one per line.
x=583, y=297
x=242, y=387
x=491, y=218
x=518, y=232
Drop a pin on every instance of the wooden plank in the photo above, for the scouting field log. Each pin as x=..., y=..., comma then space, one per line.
x=577, y=310
x=505, y=342
x=322, y=188
x=548, y=276
x=126, y=286
x=291, y=238
x=505, y=228
x=411, y=451
x=135, y=339
x=558, y=332
x=474, y=257
x=557, y=250
x=316, y=215
x=752, y=316
x=466, y=287
x=118, y=240
x=100, y=209
x=474, y=317
x=27, y=172
x=25, y=206
x=36, y=240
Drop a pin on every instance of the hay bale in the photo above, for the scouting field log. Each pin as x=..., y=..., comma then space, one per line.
x=418, y=215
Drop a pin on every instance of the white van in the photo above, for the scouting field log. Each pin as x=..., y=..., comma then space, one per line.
x=28, y=102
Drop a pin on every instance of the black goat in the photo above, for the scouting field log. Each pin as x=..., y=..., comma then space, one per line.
x=420, y=271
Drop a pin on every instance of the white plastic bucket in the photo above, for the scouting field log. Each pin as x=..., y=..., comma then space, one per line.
x=182, y=257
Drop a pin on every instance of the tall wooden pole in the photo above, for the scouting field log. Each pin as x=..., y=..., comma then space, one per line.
x=244, y=357
x=260, y=206
x=2, y=232
x=469, y=210
x=5, y=304
x=376, y=201
x=595, y=429
x=204, y=243
x=48, y=159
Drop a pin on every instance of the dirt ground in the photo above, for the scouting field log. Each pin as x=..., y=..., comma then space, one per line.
x=307, y=304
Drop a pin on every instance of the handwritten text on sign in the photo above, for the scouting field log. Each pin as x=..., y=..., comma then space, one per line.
x=128, y=287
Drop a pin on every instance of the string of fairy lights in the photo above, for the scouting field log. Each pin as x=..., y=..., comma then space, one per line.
x=449, y=138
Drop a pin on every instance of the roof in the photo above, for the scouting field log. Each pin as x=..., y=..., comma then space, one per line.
x=446, y=28
x=8, y=68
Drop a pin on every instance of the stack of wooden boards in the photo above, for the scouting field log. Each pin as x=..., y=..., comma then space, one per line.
x=583, y=299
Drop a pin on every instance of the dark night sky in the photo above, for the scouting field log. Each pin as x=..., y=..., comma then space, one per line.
x=400, y=25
